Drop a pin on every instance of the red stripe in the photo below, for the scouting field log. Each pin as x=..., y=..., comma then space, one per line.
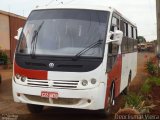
x=114, y=74
x=29, y=73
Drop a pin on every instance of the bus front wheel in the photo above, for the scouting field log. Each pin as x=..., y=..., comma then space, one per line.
x=35, y=108
x=111, y=100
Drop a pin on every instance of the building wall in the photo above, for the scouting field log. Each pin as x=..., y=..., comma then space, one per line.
x=15, y=24
x=5, y=33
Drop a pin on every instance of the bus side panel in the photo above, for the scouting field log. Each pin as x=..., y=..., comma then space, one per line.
x=134, y=65
x=129, y=63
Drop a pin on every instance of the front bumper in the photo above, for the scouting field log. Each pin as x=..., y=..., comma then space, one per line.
x=89, y=99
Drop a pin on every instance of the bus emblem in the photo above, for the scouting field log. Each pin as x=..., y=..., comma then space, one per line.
x=51, y=65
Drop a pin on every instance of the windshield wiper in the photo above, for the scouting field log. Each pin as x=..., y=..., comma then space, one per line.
x=87, y=48
x=34, y=40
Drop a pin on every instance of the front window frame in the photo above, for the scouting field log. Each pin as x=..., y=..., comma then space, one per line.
x=103, y=46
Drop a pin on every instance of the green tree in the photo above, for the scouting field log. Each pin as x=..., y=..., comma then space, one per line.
x=141, y=39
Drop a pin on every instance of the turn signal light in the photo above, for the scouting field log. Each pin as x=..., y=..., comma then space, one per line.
x=17, y=76
x=84, y=82
x=23, y=79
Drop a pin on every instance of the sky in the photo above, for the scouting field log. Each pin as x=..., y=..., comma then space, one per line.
x=140, y=12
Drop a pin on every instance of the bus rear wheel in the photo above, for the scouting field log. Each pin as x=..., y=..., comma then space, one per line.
x=35, y=108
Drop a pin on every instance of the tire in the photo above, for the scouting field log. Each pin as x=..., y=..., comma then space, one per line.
x=35, y=108
x=111, y=100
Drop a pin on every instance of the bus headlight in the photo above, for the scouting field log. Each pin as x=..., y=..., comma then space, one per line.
x=17, y=76
x=84, y=82
x=23, y=79
x=93, y=81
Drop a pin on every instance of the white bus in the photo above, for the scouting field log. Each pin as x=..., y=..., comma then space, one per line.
x=79, y=57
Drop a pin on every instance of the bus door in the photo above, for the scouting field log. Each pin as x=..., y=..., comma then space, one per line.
x=114, y=61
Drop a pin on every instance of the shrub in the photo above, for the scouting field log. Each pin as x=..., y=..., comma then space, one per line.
x=133, y=100
x=146, y=88
x=4, y=57
x=148, y=85
x=154, y=81
x=151, y=67
x=138, y=103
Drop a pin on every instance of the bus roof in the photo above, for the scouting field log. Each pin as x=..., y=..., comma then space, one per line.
x=87, y=7
x=90, y=7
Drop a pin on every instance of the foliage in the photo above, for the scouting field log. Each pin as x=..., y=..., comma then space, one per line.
x=138, y=103
x=149, y=83
x=151, y=67
x=141, y=39
x=4, y=57
x=146, y=88
x=133, y=100
x=154, y=81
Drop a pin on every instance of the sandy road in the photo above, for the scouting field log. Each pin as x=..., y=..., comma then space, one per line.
x=7, y=106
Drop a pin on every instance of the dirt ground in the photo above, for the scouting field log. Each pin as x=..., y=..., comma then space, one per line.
x=7, y=106
x=156, y=97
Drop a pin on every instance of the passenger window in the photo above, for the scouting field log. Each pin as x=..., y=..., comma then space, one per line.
x=114, y=21
x=115, y=24
x=131, y=39
x=130, y=44
x=132, y=32
x=125, y=29
x=135, y=39
x=124, y=46
x=112, y=55
x=129, y=31
x=135, y=33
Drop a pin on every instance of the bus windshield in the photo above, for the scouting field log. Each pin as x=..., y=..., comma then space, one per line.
x=64, y=32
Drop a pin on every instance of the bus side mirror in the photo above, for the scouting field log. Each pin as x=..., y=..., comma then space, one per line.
x=117, y=37
x=19, y=31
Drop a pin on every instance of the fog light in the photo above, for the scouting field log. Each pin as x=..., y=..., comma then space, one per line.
x=84, y=82
x=23, y=79
x=18, y=76
x=93, y=81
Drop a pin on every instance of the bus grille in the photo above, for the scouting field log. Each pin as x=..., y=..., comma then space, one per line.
x=61, y=101
x=60, y=84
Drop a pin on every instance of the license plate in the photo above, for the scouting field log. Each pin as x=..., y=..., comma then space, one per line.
x=46, y=94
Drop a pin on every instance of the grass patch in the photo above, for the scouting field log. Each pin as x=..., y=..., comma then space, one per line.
x=149, y=83
x=133, y=100
x=154, y=81
x=146, y=88
x=151, y=68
